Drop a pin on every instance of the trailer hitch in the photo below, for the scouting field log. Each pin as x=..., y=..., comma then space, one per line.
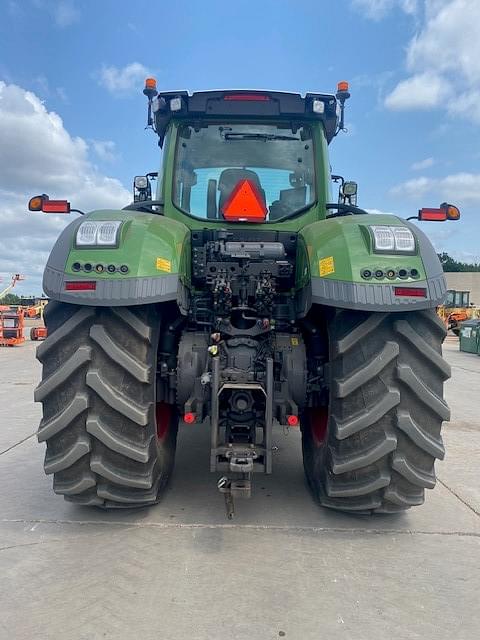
x=231, y=489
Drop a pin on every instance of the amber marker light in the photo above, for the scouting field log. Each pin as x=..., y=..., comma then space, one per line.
x=453, y=213
x=151, y=83
x=35, y=203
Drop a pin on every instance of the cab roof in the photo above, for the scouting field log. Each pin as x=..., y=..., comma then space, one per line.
x=242, y=103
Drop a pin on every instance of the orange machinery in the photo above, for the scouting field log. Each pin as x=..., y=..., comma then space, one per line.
x=11, y=328
x=38, y=333
x=35, y=310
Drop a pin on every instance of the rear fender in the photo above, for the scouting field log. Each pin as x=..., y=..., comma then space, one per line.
x=336, y=253
x=155, y=250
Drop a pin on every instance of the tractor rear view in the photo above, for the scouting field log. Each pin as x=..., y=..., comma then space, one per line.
x=243, y=302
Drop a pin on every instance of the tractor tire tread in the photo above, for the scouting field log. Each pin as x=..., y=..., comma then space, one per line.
x=98, y=395
x=386, y=411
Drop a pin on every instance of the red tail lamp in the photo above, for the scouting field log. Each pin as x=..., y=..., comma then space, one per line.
x=79, y=285
x=444, y=212
x=412, y=292
x=246, y=97
x=292, y=421
x=189, y=417
x=43, y=203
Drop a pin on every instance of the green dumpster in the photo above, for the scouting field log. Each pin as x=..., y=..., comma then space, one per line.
x=470, y=336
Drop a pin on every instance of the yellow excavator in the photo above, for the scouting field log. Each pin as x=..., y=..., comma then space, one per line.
x=456, y=309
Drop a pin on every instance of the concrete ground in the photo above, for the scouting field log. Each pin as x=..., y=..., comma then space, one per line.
x=283, y=568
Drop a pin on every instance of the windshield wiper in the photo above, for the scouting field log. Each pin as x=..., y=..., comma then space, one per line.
x=257, y=136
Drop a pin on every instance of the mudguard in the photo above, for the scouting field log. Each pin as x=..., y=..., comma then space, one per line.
x=155, y=251
x=336, y=253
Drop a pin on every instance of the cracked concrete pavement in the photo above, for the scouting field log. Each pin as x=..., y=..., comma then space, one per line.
x=283, y=568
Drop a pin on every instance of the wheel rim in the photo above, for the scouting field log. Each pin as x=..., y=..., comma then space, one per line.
x=163, y=415
x=318, y=421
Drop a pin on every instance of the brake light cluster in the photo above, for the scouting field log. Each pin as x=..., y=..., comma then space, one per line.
x=411, y=292
x=86, y=285
x=246, y=97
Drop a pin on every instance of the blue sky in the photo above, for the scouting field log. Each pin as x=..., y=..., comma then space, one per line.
x=73, y=113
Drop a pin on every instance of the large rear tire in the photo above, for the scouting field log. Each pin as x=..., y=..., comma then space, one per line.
x=109, y=443
x=373, y=449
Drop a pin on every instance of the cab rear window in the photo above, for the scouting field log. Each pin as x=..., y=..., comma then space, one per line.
x=213, y=161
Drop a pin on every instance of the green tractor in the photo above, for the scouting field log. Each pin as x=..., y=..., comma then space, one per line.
x=242, y=300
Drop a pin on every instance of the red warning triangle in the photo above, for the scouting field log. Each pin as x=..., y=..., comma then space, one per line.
x=245, y=203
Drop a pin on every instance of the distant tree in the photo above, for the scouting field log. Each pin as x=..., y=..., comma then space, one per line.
x=10, y=298
x=449, y=264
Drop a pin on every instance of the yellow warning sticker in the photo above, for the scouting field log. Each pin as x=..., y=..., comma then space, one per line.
x=164, y=265
x=294, y=342
x=326, y=266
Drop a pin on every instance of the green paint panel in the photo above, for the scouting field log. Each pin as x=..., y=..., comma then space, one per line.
x=342, y=247
x=150, y=245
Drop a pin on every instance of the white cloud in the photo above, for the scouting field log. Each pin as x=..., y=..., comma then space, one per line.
x=38, y=155
x=42, y=83
x=62, y=94
x=380, y=212
x=422, y=164
x=458, y=188
x=378, y=9
x=449, y=41
x=105, y=149
x=63, y=12
x=422, y=91
x=445, y=53
x=467, y=104
x=123, y=79
x=465, y=256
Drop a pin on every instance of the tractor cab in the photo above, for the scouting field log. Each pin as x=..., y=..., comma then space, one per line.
x=244, y=156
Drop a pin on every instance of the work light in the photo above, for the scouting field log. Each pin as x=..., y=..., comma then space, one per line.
x=102, y=233
x=392, y=239
x=318, y=106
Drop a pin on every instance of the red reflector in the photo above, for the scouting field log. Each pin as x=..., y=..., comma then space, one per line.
x=432, y=214
x=414, y=292
x=78, y=285
x=245, y=204
x=292, y=421
x=189, y=417
x=246, y=97
x=56, y=206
